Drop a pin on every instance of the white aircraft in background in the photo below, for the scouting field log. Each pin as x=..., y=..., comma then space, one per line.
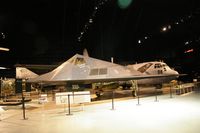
x=24, y=73
x=147, y=68
x=154, y=68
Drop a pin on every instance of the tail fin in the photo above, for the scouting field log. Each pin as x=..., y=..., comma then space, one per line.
x=85, y=53
x=24, y=73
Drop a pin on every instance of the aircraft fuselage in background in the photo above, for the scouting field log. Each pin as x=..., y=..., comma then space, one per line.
x=154, y=68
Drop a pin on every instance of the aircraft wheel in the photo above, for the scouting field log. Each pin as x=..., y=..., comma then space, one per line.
x=98, y=93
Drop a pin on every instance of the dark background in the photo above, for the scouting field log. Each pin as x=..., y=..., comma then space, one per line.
x=48, y=31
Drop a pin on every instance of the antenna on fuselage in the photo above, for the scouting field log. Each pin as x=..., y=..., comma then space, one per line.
x=112, y=59
x=85, y=53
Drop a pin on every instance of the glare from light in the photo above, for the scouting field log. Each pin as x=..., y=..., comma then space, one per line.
x=177, y=23
x=90, y=20
x=189, y=51
x=169, y=27
x=4, y=49
x=79, y=39
x=124, y=3
x=182, y=20
x=145, y=37
x=186, y=43
x=2, y=68
x=139, y=41
x=3, y=35
x=164, y=29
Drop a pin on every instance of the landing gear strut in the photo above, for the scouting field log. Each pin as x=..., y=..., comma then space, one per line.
x=134, y=88
x=134, y=94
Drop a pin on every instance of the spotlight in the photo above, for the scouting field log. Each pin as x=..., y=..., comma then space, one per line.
x=164, y=29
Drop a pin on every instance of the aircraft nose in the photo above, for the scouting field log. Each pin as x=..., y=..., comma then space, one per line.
x=175, y=72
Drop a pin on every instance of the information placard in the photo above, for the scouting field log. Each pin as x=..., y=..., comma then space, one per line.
x=43, y=98
x=62, y=97
x=75, y=97
x=82, y=97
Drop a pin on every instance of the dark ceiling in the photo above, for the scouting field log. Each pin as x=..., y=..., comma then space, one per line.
x=47, y=31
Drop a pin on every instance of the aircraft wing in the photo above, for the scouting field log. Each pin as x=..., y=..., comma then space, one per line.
x=99, y=79
x=96, y=80
x=182, y=75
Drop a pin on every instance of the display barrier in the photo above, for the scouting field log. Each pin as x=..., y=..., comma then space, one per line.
x=62, y=97
x=81, y=97
x=75, y=97
x=184, y=88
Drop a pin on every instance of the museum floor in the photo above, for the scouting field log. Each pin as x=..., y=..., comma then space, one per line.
x=180, y=114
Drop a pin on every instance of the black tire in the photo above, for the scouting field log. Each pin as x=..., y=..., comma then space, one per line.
x=98, y=94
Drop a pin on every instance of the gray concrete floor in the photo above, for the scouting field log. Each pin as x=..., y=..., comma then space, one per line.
x=180, y=114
